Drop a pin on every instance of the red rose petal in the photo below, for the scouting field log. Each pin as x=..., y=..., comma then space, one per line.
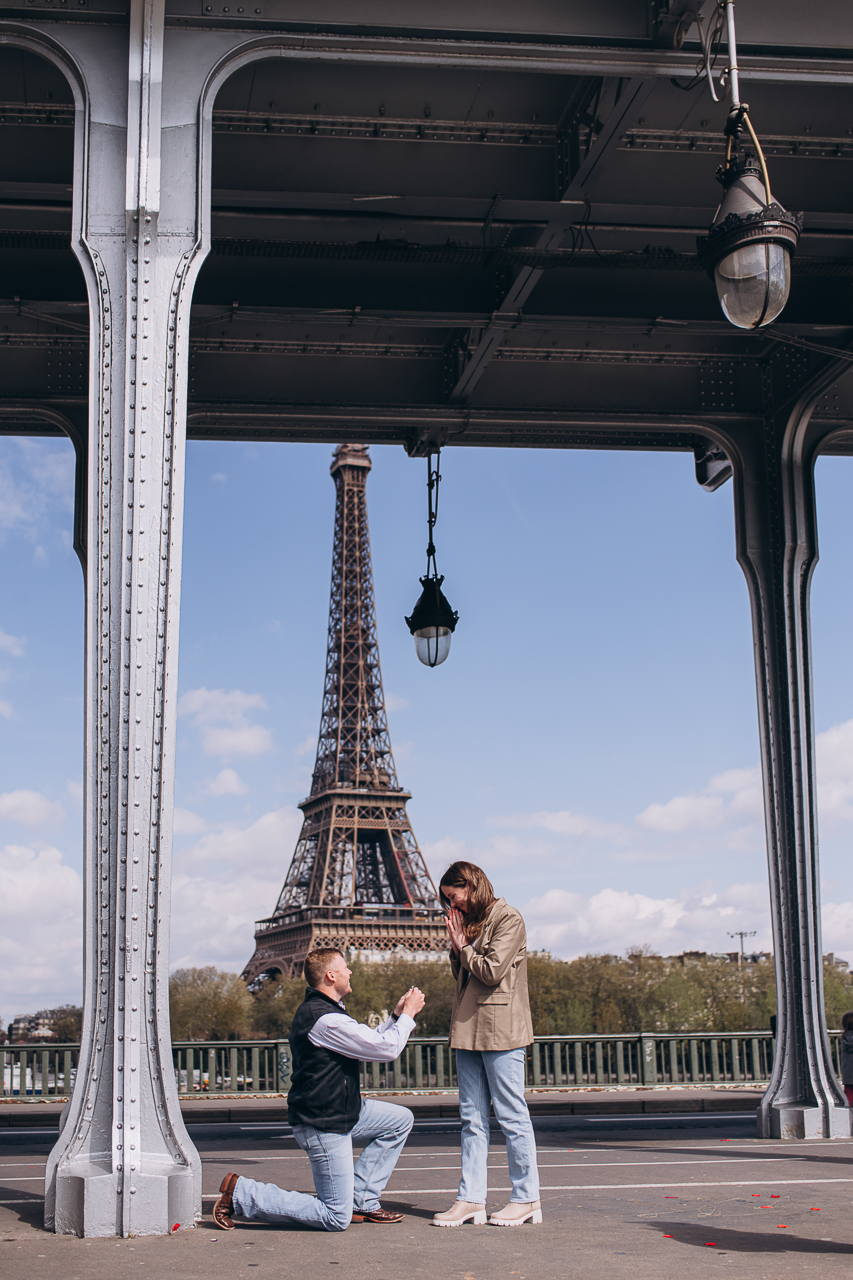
x=176, y=1227
x=667, y=1237
x=814, y=1210
x=670, y=1197
x=783, y=1225
x=756, y=1195
x=710, y=1244
x=774, y=1197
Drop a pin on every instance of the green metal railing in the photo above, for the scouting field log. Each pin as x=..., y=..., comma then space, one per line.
x=553, y=1062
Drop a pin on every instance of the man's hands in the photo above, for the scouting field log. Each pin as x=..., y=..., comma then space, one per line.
x=411, y=1002
x=456, y=929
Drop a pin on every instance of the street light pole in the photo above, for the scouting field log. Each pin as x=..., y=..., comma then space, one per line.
x=742, y=933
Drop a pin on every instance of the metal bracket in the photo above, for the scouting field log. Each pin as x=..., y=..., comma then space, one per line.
x=713, y=467
x=426, y=438
x=670, y=20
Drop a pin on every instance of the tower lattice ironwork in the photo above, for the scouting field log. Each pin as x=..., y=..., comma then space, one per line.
x=358, y=880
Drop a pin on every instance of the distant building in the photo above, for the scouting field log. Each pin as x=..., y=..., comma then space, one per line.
x=833, y=959
x=31, y=1026
x=688, y=958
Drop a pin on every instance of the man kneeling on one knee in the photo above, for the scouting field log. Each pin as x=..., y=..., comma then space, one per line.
x=328, y=1113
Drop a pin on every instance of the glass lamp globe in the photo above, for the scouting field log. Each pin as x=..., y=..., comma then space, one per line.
x=432, y=623
x=753, y=284
x=748, y=248
x=432, y=645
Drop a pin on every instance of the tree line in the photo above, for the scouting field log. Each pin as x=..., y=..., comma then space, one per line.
x=594, y=994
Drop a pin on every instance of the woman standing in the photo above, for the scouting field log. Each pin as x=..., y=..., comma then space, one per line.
x=490, y=1027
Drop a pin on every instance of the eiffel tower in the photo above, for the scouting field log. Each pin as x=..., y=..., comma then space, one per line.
x=357, y=880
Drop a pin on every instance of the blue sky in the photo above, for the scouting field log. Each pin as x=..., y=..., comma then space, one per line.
x=592, y=739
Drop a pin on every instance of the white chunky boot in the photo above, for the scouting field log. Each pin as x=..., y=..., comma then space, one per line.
x=515, y=1214
x=460, y=1212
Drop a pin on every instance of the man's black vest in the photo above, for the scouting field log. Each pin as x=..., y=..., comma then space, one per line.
x=324, y=1088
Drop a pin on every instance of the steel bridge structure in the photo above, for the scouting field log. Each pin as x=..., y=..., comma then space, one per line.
x=466, y=225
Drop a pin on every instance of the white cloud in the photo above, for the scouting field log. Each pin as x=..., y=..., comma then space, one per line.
x=510, y=852
x=733, y=795
x=562, y=822
x=250, y=740
x=30, y=807
x=226, y=783
x=612, y=920
x=395, y=703
x=74, y=787
x=41, y=930
x=13, y=645
x=218, y=477
x=187, y=823
x=6, y=710
x=223, y=883
x=834, y=750
x=215, y=706
x=36, y=479
x=682, y=813
x=307, y=745
x=734, y=800
x=225, y=728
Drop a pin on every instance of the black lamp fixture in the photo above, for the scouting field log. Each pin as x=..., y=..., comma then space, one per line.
x=747, y=251
x=433, y=621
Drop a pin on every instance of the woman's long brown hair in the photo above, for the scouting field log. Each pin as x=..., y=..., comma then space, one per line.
x=481, y=895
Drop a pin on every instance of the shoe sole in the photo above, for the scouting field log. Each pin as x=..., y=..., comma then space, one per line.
x=222, y=1220
x=534, y=1218
x=387, y=1222
x=478, y=1220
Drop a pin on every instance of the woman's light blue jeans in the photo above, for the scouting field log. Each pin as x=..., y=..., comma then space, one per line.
x=382, y=1126
x=496, y=1077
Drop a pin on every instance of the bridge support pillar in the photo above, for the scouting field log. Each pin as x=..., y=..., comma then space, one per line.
x=777, y=550
x=124, y=1164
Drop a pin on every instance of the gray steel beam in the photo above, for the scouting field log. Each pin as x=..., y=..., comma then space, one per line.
x=581, y=179
x=124, y=1164
x=776, y=529
x=460, y=425
x=775, y=66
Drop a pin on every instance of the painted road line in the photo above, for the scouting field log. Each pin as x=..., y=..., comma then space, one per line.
x=634, y=1186
x=572, y=1164
x=614, y=1164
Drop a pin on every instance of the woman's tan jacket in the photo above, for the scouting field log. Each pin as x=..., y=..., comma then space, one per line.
x=491, y=1009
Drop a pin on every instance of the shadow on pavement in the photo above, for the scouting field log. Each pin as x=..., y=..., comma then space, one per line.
x=746, y=1241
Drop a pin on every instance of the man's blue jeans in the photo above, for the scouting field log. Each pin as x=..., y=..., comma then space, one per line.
x=496, y=1077
x=383, y=1126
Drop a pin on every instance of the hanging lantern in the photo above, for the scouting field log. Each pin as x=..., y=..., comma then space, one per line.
x=433, y=621
x=747, y=251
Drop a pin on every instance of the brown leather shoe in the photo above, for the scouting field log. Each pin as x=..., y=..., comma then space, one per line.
x=224, y=1207
x=376, y=1215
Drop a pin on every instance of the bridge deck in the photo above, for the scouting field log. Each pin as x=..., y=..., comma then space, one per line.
x=618, y=1203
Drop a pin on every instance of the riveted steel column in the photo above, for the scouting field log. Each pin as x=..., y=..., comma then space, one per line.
x=124, y=1164
x=777, y=550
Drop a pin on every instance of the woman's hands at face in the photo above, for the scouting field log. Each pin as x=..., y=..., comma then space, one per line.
x=456, y=929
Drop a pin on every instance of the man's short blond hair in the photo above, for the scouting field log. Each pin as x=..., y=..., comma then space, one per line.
x=318, y=963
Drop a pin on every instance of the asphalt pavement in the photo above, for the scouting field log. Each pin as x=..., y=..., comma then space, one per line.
x=657, y=1203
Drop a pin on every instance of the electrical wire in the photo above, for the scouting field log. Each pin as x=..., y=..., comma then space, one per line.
x=710, y=49
x=765, y=177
